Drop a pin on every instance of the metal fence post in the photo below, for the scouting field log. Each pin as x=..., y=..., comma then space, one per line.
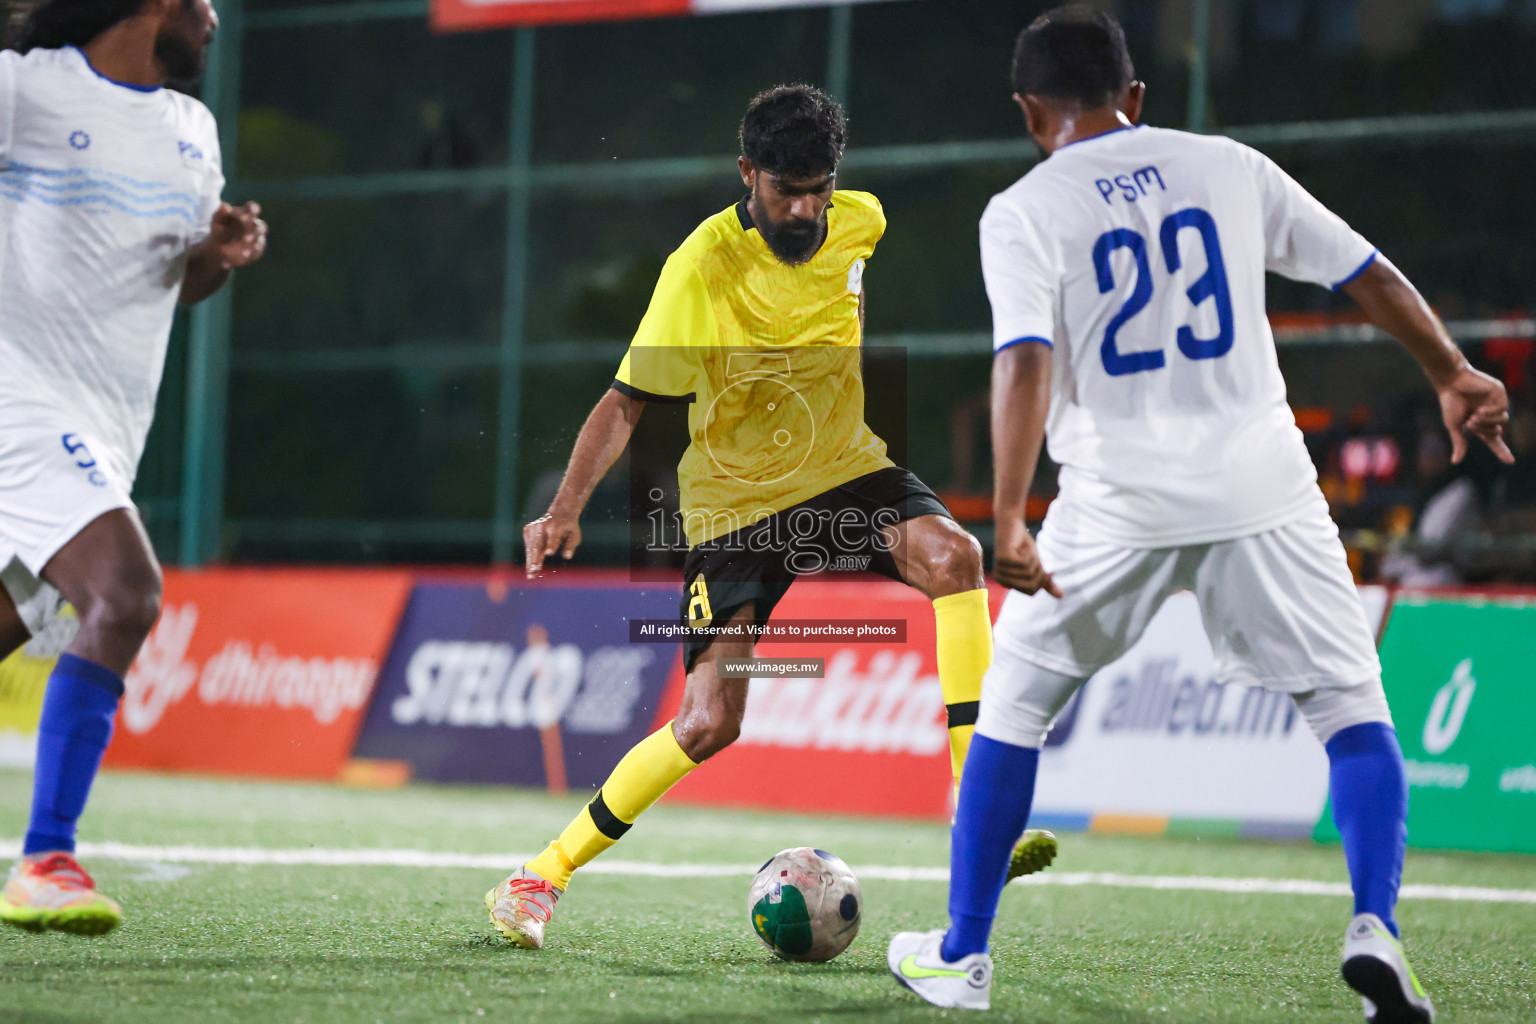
x=1199, y=67
x=839, y=52
x=504, y=532
x=203, y=452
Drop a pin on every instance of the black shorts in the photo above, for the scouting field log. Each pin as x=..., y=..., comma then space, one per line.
x=836, y=531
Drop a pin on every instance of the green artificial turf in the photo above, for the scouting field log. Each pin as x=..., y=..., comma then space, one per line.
x=363, y=944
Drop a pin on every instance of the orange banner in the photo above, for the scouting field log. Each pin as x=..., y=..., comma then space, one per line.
x=258, y=672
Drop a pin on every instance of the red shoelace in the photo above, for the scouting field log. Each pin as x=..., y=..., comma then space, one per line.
x=64, y=869
x=526, y=887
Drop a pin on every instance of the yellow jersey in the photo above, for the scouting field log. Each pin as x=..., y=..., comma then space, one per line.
x=769, y=355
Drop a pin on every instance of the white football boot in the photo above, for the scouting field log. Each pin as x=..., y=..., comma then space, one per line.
x=917, y=961
x=1376, y=967
x=521, y=906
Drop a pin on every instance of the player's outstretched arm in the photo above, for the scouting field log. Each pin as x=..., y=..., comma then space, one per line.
x=1021, y=397
x=237, y=238
x=598, y=446
x=1471, y=401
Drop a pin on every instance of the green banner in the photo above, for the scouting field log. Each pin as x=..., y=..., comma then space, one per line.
x=1460, y=674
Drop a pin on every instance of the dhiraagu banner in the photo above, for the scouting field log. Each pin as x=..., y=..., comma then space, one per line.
x=1460, y=675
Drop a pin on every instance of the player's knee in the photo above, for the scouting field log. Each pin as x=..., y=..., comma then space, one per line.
x=127, y=609
x=956, y=564
x=133, y=613
x=707, y=733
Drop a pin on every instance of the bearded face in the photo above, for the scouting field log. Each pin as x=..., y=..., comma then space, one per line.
x=794, y=240
x=182, y=46
x=791, y=214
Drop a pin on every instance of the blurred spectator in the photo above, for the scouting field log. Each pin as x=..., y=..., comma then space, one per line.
x=969, y=426
x=1514, y=489
x=1452, y=509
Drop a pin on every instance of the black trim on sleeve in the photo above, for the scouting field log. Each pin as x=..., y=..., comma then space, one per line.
x=606, y=821
x=963, y=712
x=638, y=395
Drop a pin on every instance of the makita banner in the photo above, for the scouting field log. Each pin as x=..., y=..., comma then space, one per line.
x=458, y=15
x=258, y=671
x=536, y=685
x=870, y=738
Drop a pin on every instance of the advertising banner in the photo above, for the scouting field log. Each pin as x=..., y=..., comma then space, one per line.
x=870, y=738
x=1459, y=674
x=1155, y=742
x=458, y=15
x=1155, y=736
x=535, y=686
x=258, y=672
x=1152, y=741
x=23, y=678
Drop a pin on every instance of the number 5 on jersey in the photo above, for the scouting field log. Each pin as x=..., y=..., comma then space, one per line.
x=1210, y=285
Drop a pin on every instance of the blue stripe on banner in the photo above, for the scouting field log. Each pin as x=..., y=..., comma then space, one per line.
x=1067, y=821
x=1275, y=830
x=1061, y=822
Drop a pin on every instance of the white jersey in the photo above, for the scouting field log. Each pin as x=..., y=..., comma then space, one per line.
x=103, y=188
x=1139, y=255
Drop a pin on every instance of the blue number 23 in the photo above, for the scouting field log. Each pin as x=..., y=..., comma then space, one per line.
x=1210, y=285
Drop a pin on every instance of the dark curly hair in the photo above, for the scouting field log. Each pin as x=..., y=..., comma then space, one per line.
x=56, y=23
x=796, y=131
x=1073, y=53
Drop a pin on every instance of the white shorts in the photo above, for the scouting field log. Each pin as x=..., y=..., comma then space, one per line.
x=1280, y=608
x=52, y=486
x=1020, y=701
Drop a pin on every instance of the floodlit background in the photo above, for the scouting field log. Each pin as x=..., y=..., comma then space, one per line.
x=466, y=228
x=312, y=779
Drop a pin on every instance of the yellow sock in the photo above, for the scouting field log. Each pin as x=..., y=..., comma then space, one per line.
x=650, y=768
x=965, y=652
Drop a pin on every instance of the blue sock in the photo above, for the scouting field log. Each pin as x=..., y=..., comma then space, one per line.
x=78, y=708
x=996, y=789
x=1370, y=808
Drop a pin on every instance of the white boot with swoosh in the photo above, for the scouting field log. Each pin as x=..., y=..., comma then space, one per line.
x=917, y=961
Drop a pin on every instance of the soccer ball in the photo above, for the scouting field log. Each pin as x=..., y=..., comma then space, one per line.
x=806, y=905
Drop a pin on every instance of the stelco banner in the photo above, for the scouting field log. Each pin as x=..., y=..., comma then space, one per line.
x=258, y=672
x=1460, y=682
x=870, y=738
x=536, y=686
x=457, y=15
